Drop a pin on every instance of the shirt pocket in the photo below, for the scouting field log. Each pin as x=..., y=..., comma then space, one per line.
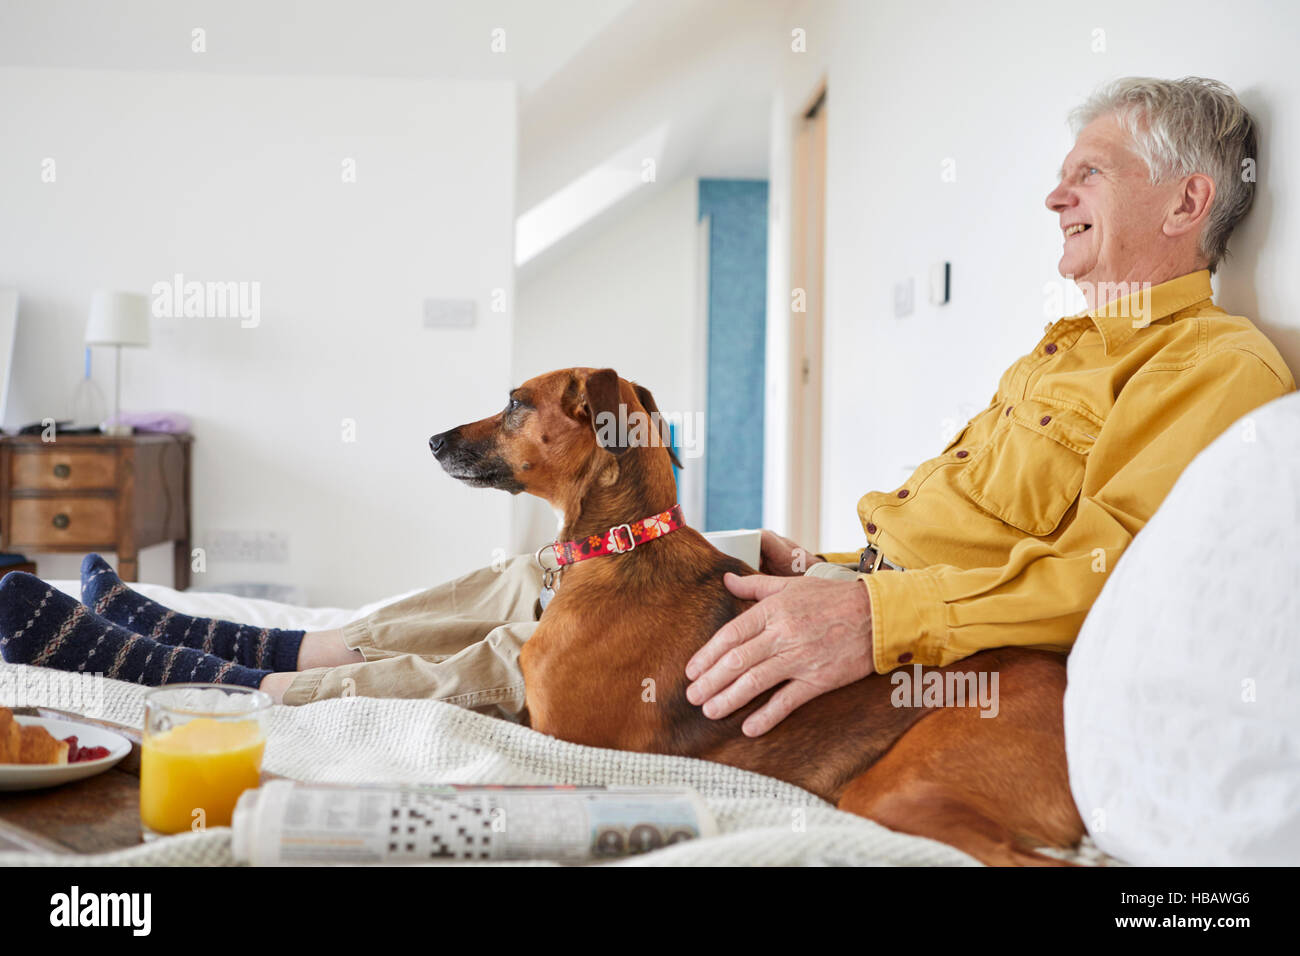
x=1031, y=469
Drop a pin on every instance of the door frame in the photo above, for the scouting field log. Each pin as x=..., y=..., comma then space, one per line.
x=806, y=353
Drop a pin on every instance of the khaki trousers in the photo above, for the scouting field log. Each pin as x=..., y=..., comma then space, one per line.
x=458, y=642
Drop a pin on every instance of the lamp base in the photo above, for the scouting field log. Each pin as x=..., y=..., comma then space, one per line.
x=117, y=431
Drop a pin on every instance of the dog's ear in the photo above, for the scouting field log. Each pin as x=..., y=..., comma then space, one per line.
x=603, y=399
x=648, y=403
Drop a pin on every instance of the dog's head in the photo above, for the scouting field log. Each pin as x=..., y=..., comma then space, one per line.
x=561, y=435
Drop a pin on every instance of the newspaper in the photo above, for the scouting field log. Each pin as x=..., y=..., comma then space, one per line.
x=285, y=823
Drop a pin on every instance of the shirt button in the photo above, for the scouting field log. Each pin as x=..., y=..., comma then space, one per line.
x=963, y=453
x=871, y=529
x=903, y=493
x=1051, y=348
x=904, y=657
x=1045, y=419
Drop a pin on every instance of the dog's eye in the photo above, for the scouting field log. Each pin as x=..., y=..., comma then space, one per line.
x=514, y=405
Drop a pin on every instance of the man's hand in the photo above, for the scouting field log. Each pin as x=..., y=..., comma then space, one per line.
x=781, y=556
x=812, y=632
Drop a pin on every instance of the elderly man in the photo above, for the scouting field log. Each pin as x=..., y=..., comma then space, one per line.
x=1007, y=536
x=1004, y=539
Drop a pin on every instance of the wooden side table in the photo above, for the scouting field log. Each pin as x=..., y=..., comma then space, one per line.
x=82, y=493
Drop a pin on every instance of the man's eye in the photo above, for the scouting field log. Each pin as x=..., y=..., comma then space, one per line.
x=1091, y=170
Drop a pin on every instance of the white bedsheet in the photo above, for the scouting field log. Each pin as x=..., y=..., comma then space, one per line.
x=253, y=611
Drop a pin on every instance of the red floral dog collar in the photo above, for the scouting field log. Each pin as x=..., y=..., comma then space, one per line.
x=617, y=540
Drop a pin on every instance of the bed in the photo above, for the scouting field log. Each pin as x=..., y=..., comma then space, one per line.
x=763, y=821
x=1179, y=721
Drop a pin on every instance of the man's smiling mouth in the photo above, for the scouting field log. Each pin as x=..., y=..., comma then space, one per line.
x=1076, y=229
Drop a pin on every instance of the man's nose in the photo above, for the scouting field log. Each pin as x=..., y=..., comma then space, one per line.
x=1059, y=198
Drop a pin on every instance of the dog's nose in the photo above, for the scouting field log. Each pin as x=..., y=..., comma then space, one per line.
x=438, y=442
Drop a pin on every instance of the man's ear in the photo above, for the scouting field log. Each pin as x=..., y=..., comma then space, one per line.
x=648, y=403
x=1194, y=205
x=603, y=399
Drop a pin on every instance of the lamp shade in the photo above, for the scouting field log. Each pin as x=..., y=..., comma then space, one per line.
x=118, y=318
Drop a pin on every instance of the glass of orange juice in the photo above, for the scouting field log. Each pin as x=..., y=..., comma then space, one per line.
x=202, y=748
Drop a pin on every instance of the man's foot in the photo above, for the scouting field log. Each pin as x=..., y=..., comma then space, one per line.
x=41, y=625
x=268, y=648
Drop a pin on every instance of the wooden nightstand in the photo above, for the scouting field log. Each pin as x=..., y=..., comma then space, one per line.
x=84, y=493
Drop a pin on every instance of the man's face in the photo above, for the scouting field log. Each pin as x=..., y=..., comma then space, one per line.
x=1111, y=216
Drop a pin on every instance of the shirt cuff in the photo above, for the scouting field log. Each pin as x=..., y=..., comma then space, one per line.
x=841, y=557
x=907, y=619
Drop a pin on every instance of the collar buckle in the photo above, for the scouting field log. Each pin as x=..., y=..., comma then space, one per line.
x=549, y=575
x=617, y=545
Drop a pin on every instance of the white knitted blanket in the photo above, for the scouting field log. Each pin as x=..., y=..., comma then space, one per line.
x=762, y=821
x=366, y=740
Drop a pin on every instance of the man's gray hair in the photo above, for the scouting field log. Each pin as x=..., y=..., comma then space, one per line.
x=1186, y=126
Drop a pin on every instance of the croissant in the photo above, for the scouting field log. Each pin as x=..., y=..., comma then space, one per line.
x=10, y=737
x=28, y=744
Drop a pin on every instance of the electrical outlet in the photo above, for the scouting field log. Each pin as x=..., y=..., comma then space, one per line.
x=262, y=547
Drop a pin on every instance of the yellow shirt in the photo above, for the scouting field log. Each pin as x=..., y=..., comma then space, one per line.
x=1008, y=535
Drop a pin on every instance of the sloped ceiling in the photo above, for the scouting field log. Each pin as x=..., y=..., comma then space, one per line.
x=694, y=78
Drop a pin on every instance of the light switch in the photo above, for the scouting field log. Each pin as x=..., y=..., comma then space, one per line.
x=903, y=298
x=449, y=313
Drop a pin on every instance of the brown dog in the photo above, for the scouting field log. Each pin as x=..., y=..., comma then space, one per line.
x=993, y=787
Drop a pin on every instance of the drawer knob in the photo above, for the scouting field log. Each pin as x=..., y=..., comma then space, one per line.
x=62, y=470
x=61, y=521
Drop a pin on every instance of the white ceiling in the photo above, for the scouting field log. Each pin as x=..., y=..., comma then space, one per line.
x=405, y=38
x=595, y=78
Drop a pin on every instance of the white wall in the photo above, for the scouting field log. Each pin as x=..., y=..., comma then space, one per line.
x=239, y=178
x=989, y=86
x=624, y=298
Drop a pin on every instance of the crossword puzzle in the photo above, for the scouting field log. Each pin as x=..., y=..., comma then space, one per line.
x=441, y=827
x=464, y=826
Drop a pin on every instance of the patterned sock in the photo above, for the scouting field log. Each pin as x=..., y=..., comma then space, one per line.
x=41, y=625
x=263, y=647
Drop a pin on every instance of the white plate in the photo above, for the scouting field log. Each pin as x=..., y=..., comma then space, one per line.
x=15, y=776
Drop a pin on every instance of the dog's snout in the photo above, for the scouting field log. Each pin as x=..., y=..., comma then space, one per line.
x=438, y=442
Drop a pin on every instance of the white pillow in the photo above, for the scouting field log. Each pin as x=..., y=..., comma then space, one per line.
x=1182, y=715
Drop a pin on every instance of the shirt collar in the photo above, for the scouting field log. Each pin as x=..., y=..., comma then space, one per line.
x=1121, y=318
